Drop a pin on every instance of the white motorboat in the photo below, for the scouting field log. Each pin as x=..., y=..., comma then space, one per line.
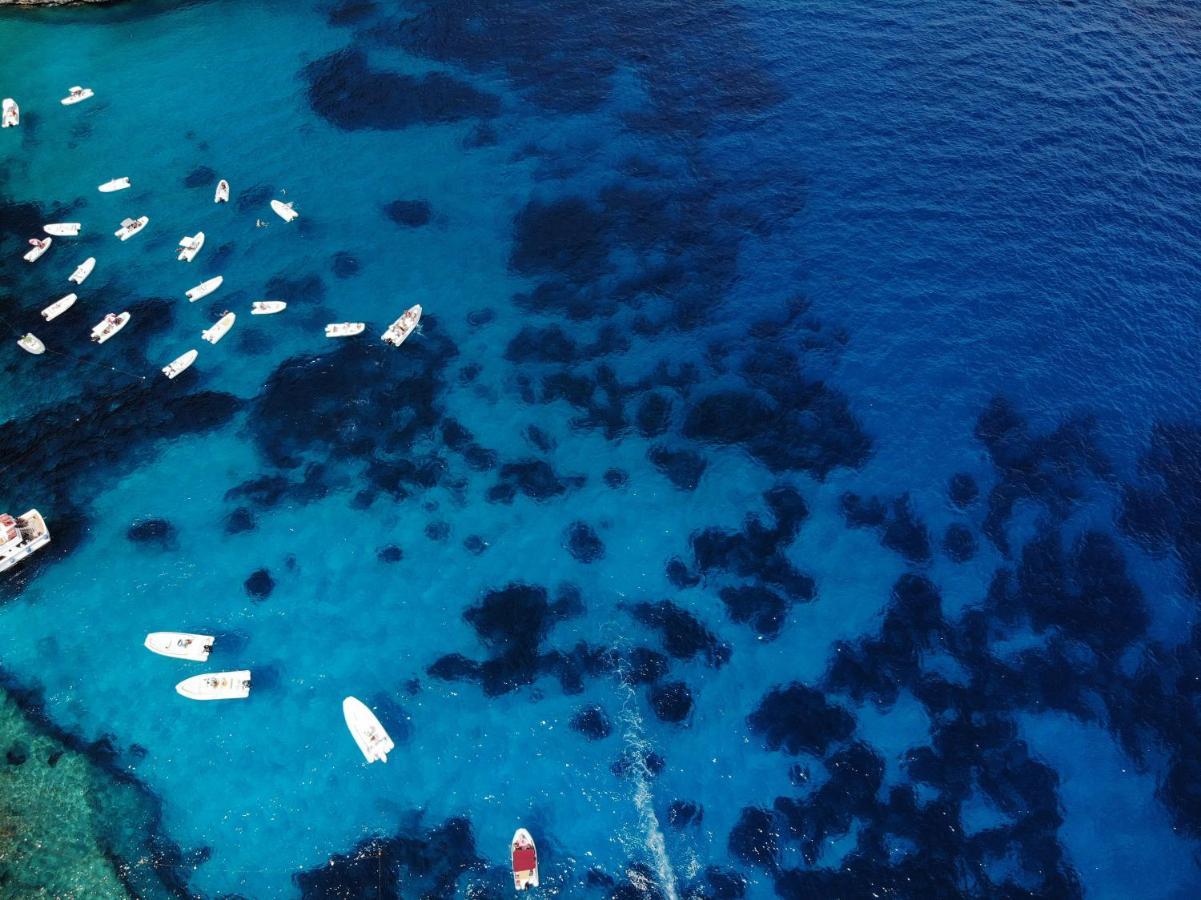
x=39, y=247
x=180, y=644
x=222, y=193
x=62, y=229
x=11, y=115
x=21, y=536
x=366, y=730
x=204, y=288
x=58, y=307
x=108, y=326
x=220, y=329
x=30, y=343
x=190, y=246
x=130, y=227
x=267, y=307
x=117, y=184
x=525, y=860
x=284, y=210
x=216, y=686
x=402, y=327
x=344, y=329
x=77, y=94
x=180, y=363
x=84, y=270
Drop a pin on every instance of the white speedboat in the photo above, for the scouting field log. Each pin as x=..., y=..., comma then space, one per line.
x=222, y=194
x=108, y=326
x=62, y=229
x=21, y=536
x=180, y=363
x=525, y=860
x=58, y=307
x=11, y=115
x=366, y=730
x=39, y=247
x=204, y=288
x=267, y=307
x=30, y=343
x=402, y=327
x=284, y=210
x=220, y=329
x=180, y=644
x=216, y=686
x=190, y=246
x=130, y=227
x=77, y=94
x=84, y=270
x=344, y=329
x=117, y=184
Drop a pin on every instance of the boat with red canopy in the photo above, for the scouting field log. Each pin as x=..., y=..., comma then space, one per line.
x=525, y=860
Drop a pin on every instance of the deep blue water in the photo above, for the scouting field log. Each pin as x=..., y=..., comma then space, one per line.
x=795, y=489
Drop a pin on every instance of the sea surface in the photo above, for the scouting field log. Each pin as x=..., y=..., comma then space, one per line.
x=794, y=489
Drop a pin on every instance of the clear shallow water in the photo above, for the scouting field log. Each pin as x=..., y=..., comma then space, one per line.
x=972, y=204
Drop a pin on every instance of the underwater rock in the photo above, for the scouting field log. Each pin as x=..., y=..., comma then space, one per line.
x=616, y=478
x=533, y=477
x=159, y=532
x=683, y=813
x=409, y=213
x=958, y=543
x=474, y=544
x=345, y=264
x=592, y=722
x=762, y=608
x=963, y=490
x=684, y=636
x=438, y=531
x=902, y=531
x=584, y=543
x=671, y=701
x=259, y=585
x=390, y=554
x=683, y=468
x=797, y=719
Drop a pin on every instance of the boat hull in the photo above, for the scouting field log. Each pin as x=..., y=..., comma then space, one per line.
x=58, y=307
x=84, y=270
x=219, y=330
x=222, y=193
x=267, y=307
x=366, y=730
x=10, y=113
x=190, y=246
x=399, y=330
x=344, y=329
x=101, y=333
x=524, y=855
x=283, y=210
x=204, y=288
x=117, y=184
x=216, y=686
x=39, y=537
x=125, y=232
x=180, y=645
x=180, y=364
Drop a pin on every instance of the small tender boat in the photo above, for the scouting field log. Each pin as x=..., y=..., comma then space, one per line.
x=33, y=345
x=62, y=229
x=180, y=644
x=190, y=246
x=402, y=327
x=130, y=227
x=84, y=270
x=58, y=307
x=267, y=307
x=525, y=860
x=222, y=194
x=205, y=288
x=108, y=326
x=11, y=115
x=216, y=686
x=39, y=247
x=117, y=184
x=344, y=329
x=179, y=364
x=284, y=210
x=366, y=730
x=219, y=330
x=21, y=536
x=77, y=94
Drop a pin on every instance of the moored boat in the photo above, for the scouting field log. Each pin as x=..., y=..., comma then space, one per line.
x=204, y=288
x=366, y=730
x=30, y=343
x=77, y=94
x=39, y=247
x=344, y=329
x=220, y=329
x=58, y=307
x=62, y=229
x=190, y=246
x=10, y=116
x=180, y=363
x=21, y=536
x=222, y=192
x=216, y=686
x=402, y=327
x=267, y=307
x=108, y=326
x=525, y=860
x=284, y=210
x=84, y=270
x=180, y=645
x=117, y=184
x=130, y=227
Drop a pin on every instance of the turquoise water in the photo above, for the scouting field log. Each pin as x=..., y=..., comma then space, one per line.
x=870, y=222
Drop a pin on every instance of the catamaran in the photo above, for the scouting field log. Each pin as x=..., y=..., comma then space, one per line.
x=402, y=327
x=21, y=536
